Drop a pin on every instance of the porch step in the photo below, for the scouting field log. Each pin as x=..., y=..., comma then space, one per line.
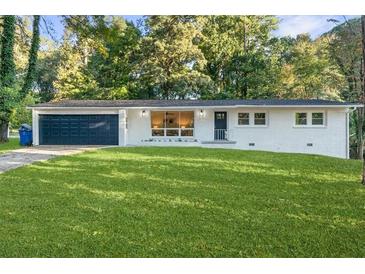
x=218, y=142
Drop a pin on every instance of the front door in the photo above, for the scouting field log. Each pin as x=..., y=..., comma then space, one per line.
x=220, y=125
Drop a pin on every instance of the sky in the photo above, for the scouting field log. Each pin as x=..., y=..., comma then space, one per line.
x=290, y=25
x=315, y=25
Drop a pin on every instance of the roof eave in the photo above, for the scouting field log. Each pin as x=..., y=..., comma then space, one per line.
x=206, y=107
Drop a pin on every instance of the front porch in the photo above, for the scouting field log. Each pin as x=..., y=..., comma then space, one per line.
x=221, y=136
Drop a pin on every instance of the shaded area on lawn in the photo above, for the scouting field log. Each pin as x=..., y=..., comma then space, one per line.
x=183, y=202
x=11, y=145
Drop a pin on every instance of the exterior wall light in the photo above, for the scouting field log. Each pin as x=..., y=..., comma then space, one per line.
x=201, y=113
x=144, y=113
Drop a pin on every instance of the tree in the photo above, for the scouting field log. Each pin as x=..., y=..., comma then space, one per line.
x=33, y=55
x=309, y=72
x=363, y=77
x=237, y=52
x=345, y=49
x=72, y=80
x=97, y=58
x=22, y=41
x=20, y=114
x=7, y=68
x=170, y=62
x=111, y=67
x=8, y=95
x=47, y=70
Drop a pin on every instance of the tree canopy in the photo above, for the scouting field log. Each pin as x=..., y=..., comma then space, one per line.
x=179, y=57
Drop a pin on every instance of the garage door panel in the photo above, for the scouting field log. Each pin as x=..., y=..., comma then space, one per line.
x=78, y=129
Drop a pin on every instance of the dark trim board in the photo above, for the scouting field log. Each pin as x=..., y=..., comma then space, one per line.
x=83, y=129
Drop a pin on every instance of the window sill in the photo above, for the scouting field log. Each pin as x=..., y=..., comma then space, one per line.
x=309, y=126
x=251, y=126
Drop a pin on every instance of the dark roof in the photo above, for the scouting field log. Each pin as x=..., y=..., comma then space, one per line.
x=192, y=103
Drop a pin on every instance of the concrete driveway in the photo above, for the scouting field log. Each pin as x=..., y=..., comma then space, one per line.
x=28, y=155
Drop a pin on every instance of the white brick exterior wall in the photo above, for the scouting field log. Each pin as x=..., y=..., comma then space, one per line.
x=279, y=135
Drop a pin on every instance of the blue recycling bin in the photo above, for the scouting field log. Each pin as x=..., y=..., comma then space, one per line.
x=25, y=135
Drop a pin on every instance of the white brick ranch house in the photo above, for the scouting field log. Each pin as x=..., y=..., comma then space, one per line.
x=301, y=126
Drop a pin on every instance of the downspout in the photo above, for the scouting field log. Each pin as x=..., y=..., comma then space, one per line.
x=348, y=112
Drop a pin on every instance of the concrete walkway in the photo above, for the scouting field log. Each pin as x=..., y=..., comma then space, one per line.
x=28, y=155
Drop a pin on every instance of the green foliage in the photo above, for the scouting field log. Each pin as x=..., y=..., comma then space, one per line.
x=33, y=55
x=170, y=61
x=111, y=65
x=345, y=49
x=117, y=93
x=22, y=41
x=98, y=65
x=7, y=67
x=72, y=81
x=21, y=115
x=8, y=94
x=183, y=202
x=47, y=70
x=177, y=57
x=310, y=71
x=9, y=98
x=235, y=48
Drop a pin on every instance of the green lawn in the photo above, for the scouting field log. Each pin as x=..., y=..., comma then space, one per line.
x=183, y=202
x=12, y=144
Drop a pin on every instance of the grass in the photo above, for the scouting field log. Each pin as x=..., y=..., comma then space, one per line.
x=183, y=202
x=11, y=145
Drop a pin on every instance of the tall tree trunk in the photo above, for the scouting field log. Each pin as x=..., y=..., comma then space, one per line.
x=245, y=87
x=363, y=78
x=4, y=132
x=33, y=56
x=7, y=67
x=360, y=125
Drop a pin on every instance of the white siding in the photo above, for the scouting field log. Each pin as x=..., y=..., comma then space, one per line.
x=122, y=121
x=35, y=126
x=138, y=127
x=280, y=134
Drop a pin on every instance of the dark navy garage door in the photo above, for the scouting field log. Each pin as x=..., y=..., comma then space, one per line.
x=78, y=129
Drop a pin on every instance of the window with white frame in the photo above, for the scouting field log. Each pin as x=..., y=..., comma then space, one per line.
x=310, y=118
x=251, y=119
x=301, y=118
x=260, y=118
x=317, y=118
x=243, y=118
x=172, y=123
